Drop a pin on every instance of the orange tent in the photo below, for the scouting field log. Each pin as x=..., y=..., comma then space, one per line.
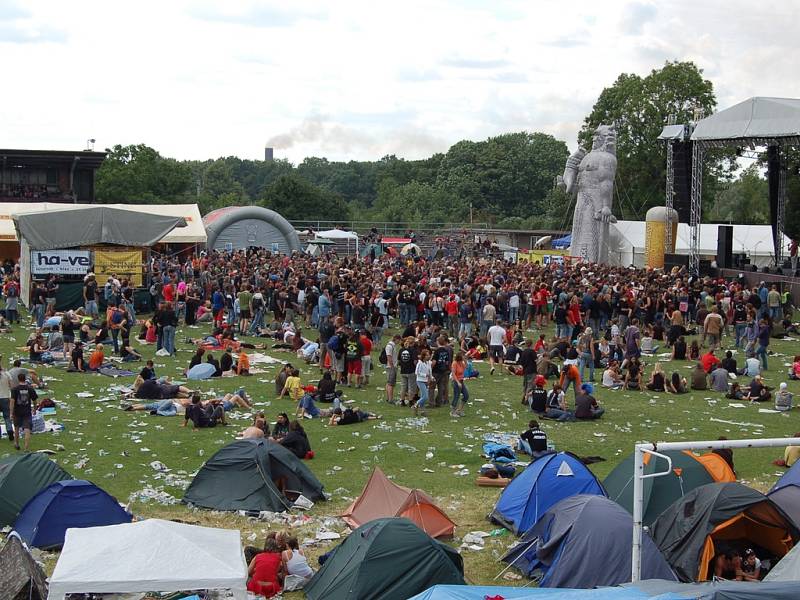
x=383, y=498
x=717, y=467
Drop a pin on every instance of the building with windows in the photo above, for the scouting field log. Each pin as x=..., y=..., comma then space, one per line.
x=48, y=175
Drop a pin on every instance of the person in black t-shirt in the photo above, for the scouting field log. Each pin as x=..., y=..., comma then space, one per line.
x=407, y=359
x=538, y=396
x=77, y=362
x=534, y=440
x=442, y=359
x=226, y=362
x=203, y=416
x=148, y=371
x=22, y=398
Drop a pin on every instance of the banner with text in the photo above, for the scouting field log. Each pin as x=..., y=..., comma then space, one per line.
x=124, y=264
x=60, y=262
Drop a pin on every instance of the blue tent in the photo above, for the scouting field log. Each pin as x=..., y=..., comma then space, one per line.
x=786, y=493
x=201, y=371
x=585, y=542
x=564, y=242
x=476, y=592
x=46, y=517
x=544, y=482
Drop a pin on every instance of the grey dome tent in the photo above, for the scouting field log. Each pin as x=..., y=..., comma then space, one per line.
x=22, y=476
x=242, y=476
x=238, y=227
x=385, y=559
x=21, y=578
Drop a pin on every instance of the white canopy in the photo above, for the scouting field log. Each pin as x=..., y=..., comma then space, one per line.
x=193, y=233
x=757, y=118
x=147, y=556
x=627, y=242
x=338, y=234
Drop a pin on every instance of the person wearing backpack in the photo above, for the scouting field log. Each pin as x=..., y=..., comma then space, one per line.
x=353, y=352
x=11, y=291
x=440, y=367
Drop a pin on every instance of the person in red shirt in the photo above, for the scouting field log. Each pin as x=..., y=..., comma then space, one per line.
x=709, y=361
x=266, y=571
x=451, y=310
x=168, y=292
x=366, y=357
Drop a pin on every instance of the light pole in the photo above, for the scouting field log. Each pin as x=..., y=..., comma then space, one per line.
x=90, y=145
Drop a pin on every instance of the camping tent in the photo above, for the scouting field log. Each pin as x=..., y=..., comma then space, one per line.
x=386, y=559
x=381, y=497
x=44, y=520
x=150, y=555
x=475, y=592
x=22, y=476
x=544, y=482
x=242, y=476
x=717, y=516
x=584, y=541
x=788, y=568
x=717, y=590
x=688, y=472
x=786, y=493
x=21, y=578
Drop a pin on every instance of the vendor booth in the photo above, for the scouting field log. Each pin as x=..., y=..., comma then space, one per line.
x=71, y=241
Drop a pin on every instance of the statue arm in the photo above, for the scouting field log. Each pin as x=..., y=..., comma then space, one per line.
x=568, y=180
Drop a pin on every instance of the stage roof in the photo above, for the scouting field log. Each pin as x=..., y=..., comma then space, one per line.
x=758, y=119
x=193, y=233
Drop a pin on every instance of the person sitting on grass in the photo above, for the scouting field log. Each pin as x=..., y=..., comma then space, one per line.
x=537, y=397
x=794, y=372
x=203, y=416
x=296, y=440
x=293, y=387
x=709, y=360
x=349, y=416
x=758, y=392
x=152, y=389
x=586, y=406
x=243, y=364
x=295, y=564
x=676, y=384
x=783, y=399
x=280, y=427
x=657, y=381
x=533, y=440
x=611, y=377
x=694, y=350
x=557, y=405
x=633, y=378
x=148, y=371
x=226, y=361
x=729, y=364
x=97, y=358
x=77, y=362
x=719, y=379
x=129, y=353
x=699, y=377
x=266, y=571
x=735, y=392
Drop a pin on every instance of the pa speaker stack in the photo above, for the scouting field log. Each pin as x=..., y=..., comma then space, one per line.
x=725, y=247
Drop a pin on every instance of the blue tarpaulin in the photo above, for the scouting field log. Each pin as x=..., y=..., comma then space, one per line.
x=564, y=242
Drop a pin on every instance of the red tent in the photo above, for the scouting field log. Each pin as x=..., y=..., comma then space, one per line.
x=383, y=498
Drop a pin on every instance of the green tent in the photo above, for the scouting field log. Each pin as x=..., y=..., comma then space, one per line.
x=243, y=476
x=22, y=476
x=386, y=559
x=659, y=492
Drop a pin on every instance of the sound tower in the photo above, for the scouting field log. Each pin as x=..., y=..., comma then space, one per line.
x=682, y=185
x=725, y=247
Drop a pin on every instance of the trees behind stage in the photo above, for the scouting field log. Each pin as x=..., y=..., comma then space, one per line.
x=506, y=180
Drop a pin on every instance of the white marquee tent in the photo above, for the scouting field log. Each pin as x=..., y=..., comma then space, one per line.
x=147, y=556
x=339, y=234
x=627, y=242
x=193, y=233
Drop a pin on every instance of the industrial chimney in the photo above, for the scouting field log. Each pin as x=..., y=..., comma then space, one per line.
x=268, y=154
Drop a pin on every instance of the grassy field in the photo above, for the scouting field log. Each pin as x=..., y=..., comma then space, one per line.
x=114, y=449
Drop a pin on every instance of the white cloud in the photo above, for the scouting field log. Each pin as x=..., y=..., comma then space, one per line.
x=354, y=79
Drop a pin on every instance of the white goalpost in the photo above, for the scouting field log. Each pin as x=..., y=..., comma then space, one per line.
x=639, y=476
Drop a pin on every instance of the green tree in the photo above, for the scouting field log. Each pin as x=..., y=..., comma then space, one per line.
x=416, y=203
x=640, y=107
x=138, y=173
x=743, y=200
x=298, y=200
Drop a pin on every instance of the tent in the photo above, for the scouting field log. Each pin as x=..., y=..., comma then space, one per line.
x=69, y=227
x=151, y=555
x=544, y=482
x=627, y=243
x=44, y=520
x=242, y=476
x=564, y=242
x=238, y=227
x=386, y=559
x=718, y=590
x=22, y=476
x=786, y=493
x=21, y=578
x=340, y=235
x=192, y=233
x=476, y=592
x=383, y=498
x=787, y=569
x=659, y=492
x=201, y=371
x=717, y=516
x=584, y=541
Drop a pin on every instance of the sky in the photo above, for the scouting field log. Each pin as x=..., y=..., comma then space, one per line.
x=354, y=79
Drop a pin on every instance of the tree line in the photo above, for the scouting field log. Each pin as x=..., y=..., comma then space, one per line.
x=506, y=180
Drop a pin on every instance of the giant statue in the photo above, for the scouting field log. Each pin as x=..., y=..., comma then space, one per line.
x=591, y=177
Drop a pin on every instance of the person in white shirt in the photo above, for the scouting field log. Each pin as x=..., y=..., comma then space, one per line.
x=752, y=366
x=423, y=375
x=496, y=336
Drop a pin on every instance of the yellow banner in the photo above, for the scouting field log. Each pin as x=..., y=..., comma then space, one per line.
x=123, y=264
x=542, y=257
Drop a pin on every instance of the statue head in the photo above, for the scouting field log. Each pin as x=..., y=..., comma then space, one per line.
x=605, y=139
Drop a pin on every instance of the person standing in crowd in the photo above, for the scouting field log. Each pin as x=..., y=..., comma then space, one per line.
x=22, y=398
x=496, y=338
x=392, y=351
x=422, y=372
x=460, y=393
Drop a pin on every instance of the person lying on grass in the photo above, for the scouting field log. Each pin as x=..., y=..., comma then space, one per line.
x=349, y=416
